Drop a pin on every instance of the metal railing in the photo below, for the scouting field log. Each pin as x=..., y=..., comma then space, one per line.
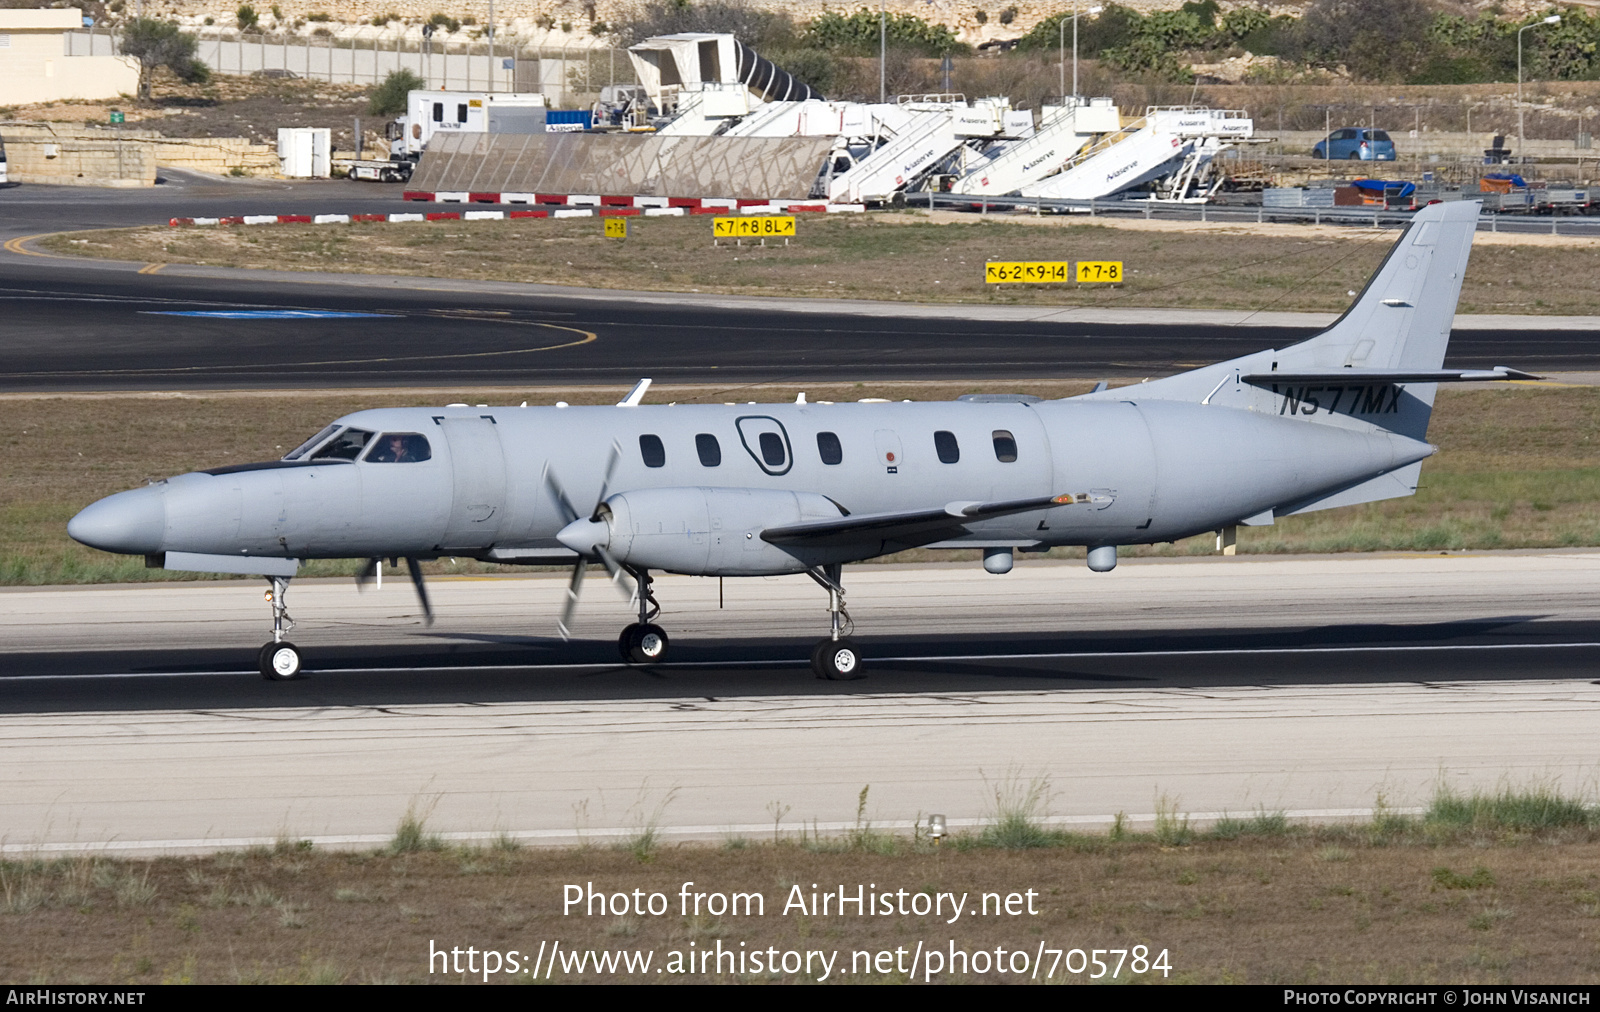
x=1369, y=217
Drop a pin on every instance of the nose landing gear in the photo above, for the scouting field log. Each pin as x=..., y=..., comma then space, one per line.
x=836, y=657
x=643, y=642
x=279, y=660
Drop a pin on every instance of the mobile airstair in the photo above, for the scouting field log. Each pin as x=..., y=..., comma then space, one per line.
x=935, y=128
x=1064, y=131
x=1176, y=144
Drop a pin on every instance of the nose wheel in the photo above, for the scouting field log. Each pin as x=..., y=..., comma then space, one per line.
x=280, y=660
x=644, y=642
x=835, y=658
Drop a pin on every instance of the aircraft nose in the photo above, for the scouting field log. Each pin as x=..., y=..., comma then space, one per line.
x=129, y=523
x=583, y=534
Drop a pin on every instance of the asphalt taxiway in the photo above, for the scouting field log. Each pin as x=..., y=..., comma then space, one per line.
x=80, y=324
x=1311, y=685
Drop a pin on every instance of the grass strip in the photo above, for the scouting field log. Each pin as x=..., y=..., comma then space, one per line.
x=1485, y=888
x=893, y=256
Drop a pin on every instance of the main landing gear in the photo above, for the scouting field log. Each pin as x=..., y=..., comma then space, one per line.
x=643, y=642
x=280, y=659
x=836, y=657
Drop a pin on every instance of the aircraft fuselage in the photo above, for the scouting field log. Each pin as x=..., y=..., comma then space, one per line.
x=1138, y=472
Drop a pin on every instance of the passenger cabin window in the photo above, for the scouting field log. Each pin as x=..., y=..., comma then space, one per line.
x=654, y=454
x=772, y=449
x=828, y=448
x=945, y=443
x=1005, y=447
x=709, y=449
x=438, y=112
x=311, y=444
x=399, y=448
x=461, y=113
x=347, y=445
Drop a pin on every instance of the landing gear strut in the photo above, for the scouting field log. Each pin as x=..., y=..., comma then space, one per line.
x=836, y=657
x=643, y=642
x=280, y=659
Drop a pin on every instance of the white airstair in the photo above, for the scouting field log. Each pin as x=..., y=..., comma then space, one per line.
x=816, y=118
x=1177, y=142
x=937, y=126
x=1063, y=133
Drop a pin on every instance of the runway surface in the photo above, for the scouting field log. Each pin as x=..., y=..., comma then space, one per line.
x=131, y=715
x=87, y=325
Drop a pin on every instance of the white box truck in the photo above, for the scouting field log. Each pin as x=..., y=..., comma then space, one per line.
x=431, y=112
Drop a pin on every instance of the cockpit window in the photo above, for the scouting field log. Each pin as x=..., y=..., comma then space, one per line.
x=311, y=444
x=347, y=445
x=399, y=448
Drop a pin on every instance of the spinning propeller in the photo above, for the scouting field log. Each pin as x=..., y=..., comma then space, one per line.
x=593, y=546
x=369, y=573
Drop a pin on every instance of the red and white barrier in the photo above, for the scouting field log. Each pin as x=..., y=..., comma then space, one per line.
x=565, y=206
x=788, y=206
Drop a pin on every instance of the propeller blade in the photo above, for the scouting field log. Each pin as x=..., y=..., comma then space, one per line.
x=368, y=574
x=422, y=589
x=570, y=605
x=619, y=576
x=605, y=482
x=559, y=493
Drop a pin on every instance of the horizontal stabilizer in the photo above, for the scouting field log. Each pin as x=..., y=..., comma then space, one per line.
x=1379, y=376
x=909, y=525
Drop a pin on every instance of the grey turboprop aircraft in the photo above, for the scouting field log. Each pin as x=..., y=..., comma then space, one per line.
x=765, y=489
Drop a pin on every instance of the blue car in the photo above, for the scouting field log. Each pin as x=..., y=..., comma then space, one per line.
x=1356, y=143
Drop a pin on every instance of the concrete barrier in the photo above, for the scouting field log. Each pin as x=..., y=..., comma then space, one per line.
x=66, y=155
x=76, y=162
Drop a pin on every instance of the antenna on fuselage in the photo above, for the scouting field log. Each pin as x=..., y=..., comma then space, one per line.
x=636, y=395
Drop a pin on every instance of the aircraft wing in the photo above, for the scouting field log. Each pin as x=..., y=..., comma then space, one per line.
x=1381, y=376
x=911, y=525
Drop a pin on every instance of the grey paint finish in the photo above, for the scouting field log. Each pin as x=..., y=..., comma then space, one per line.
x=1148, y=471
x=1141, y=464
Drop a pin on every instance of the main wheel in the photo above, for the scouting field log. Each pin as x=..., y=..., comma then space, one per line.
x=279, y=662
x=836, y=660
x=643, y=644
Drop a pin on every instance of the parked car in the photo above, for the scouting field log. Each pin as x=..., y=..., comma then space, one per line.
x=1356, y=143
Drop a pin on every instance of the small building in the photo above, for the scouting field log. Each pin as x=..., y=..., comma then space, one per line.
x=35, y=67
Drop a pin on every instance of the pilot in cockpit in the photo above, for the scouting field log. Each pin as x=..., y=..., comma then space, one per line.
x=399, y=448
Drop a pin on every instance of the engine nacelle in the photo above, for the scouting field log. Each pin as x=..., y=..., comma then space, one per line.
x=705, y=531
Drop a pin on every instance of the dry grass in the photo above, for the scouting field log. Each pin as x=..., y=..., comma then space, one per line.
x=890, y=256
x=1518, y=468
x=1423, y=900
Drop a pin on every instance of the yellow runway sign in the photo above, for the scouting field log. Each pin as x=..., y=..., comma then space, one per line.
x=1035, y=272
x=1099, y=272
x=616, y=228
x=753, y=227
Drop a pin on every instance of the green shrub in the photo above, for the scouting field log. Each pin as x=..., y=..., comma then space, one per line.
x=389, y=98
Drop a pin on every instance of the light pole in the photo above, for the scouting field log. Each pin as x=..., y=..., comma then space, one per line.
x=883, y=54
x=1062, y=43
x=1551, y=20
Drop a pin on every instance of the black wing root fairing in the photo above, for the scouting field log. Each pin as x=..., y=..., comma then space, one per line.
x=910, y=528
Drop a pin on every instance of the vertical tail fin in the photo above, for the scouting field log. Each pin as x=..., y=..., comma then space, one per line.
x=1400, y=321
x=1402, y=318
